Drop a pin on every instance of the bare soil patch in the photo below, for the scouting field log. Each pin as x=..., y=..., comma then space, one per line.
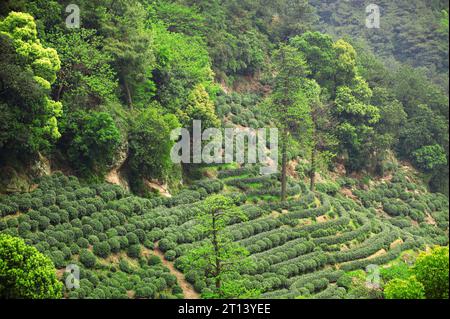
x=188, y=291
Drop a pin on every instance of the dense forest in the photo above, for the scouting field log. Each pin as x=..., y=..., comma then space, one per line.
x=91, y=93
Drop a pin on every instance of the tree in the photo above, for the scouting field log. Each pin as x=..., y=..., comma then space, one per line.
x=199, y=107
x=289, y=104
x=29, y=120
x=182, y=63
x=218, y=257
x=432, y=270
x=150, y=135
x=430, y=157
x=392, y=119
x=25, y=272
x=130, y=44
x=318, y=51
x=334, y=66
x=86, y=79
x=404, y=289
x=321, y=140
x=90, y=140
x=356, y=121
x=345, y=63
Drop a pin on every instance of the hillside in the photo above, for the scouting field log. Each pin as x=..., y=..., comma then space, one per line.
x=304, y=247
x=223, y=149
x=409, y=30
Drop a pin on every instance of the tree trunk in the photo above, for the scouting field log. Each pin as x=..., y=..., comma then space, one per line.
x=217, y=257
x=312, y=173
x=283, y=167
x=58, y=93
x=129, y=99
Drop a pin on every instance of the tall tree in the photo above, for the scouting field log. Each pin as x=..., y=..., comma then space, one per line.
x=218, y=257
x=29, y=120
x=322, y=141
x=289, y=104
x=123, y=25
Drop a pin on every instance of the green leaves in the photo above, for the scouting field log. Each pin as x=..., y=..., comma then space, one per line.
x=150, y=135
x=218, y=258
x=429, y=157
x=432, y=270
x=182, y=64
x=404, y=289
x=28, y=71
x=86, y=78
x=90, y=140
x=25, y=272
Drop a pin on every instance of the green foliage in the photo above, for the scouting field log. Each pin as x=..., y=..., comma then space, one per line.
x=328, y=188
x=86, y=78
x=218, y=256
x=182, y=64
x=87, y=258
x=404, y=26
x=404, y=289
x=134, y=251
x=149, y=135
x=28, y=69
x=123, y=26
x=154, y=260
x=90, y=139
x=102, y=249
x=136, y=69
x=25, y=272
x=431, y=269
x=199, y=107
x=430, y=157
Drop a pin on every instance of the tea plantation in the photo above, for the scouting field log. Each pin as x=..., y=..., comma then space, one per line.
x=305, y=247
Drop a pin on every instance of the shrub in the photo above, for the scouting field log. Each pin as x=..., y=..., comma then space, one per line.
x=83, y=242
x=87, y=258
x=177, y=290
x=87, y=230
x=93, y=239
x=154, y=260
x=114, y=244
x=102, y=249
x=74, y=249
x=24, y=228
x=132, y=238
x=134, y=251
x=149, y=244
x=145, y=292
x=140, y=233
x=166, y=245
x=44, y=222
x=25, y=272
x=12, y=222
x=404, y=289
x=170, y=255
x=432, y=269
x=330, y=188
x=111, y=233
x=58, y=258
x=125, y=266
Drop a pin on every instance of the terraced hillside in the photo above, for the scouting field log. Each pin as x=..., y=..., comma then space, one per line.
x=305, y=247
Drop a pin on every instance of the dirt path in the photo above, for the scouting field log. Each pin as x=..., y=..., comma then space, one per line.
x=188, y=290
